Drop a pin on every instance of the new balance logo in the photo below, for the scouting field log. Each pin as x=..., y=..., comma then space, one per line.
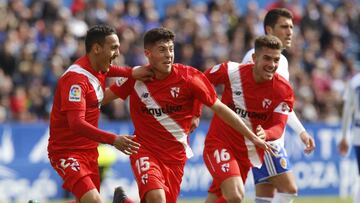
x=145, y=95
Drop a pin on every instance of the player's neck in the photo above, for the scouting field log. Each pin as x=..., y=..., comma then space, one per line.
x=159, y=75
x=93, y=62
x=256, y=76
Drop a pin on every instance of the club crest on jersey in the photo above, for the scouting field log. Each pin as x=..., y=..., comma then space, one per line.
x=175, y=91
x=75, y=93
x=266, y=103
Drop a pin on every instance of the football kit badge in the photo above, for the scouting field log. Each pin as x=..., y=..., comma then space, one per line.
x=75, y=93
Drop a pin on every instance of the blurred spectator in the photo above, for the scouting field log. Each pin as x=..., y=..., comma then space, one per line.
x=38, y=39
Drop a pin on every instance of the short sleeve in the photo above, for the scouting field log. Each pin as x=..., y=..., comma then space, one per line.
x=216, y=74
x=123, y=87
x=203, y=89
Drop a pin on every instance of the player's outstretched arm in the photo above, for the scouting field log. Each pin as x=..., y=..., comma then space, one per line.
x=79, y=125
x=343, y=146
x=297, y=126
x=108, y=96
x=143, y=73
x=347, y=119
x=232, y=119
x=308, y=141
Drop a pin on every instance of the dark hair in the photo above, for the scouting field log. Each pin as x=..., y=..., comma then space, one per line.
x=97, y=34
x=268, y=41
x=273, y=15
x=157, y=34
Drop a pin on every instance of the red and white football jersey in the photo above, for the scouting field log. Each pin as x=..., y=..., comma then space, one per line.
x=161, y=110
x=80, y=88
x=266, y=104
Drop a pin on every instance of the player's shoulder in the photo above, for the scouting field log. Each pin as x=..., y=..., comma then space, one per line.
x=73, y=77
x=180, y=66
x=282, y=85
x=229, y=65
x=185, y=70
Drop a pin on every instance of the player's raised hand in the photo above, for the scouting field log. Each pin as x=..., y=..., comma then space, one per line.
x=126, y=144
x=343, y=146
x=143, y=73
x=308, y=141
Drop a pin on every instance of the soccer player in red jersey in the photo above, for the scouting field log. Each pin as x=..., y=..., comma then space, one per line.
x=274, y=181
x=260, y=97
x=74, y=133
x=162, y=110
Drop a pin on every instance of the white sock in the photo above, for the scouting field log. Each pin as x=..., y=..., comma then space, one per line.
x=263, y=199
x=283, y=198
x=356, y=197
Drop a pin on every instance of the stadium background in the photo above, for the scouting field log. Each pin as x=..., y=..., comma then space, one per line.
x=39, y=39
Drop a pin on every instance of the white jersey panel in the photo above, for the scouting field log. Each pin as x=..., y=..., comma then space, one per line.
x=92, y=79
x=239, y=101
x=166, y=121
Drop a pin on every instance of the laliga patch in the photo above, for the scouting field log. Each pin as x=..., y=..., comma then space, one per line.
x=75, y=93
x=283, y=163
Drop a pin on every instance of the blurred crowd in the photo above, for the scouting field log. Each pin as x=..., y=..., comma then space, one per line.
x=39, y=39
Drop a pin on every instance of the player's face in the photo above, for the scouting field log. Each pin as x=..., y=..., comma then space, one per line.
x=283, y=29
x=161, y=57
x=266, y=62
x=108, y=52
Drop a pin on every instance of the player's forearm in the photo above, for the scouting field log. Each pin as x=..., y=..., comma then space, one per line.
x=295, y=124
x=275, y=131
x=232, y=119
x=80, y=126
x=119, y=71
x=346, y=118
x=109, y=96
